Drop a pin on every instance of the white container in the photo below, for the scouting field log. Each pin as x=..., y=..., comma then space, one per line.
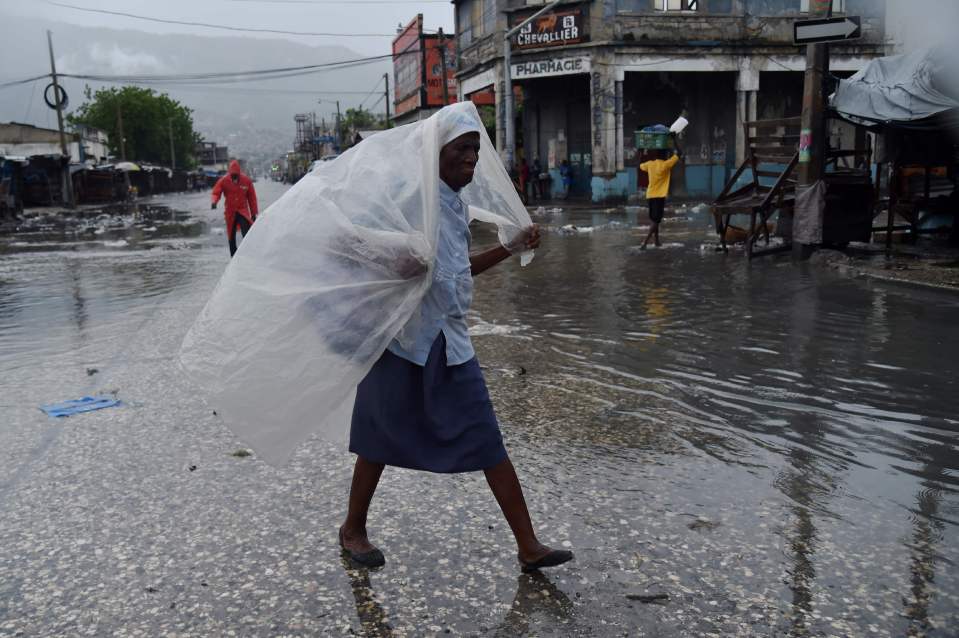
x=679, y=125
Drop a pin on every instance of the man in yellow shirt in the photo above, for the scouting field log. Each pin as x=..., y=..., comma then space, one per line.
x=659, y=171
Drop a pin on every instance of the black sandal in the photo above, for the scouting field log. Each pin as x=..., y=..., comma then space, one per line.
x=370, y=559
x=552, y=559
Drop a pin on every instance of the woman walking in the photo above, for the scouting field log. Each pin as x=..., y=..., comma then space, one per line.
x=425, y=405
x=364, y=272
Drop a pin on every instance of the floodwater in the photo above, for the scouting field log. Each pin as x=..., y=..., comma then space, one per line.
x=773, y=446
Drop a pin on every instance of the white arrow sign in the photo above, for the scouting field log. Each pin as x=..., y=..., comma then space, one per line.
x=827, y=30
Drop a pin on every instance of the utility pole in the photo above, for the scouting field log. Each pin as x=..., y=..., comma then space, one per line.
x=63, y=136
x=123, y=143
x=339, y=127
x=812, y=134
x=386, y=97
x=812, y=163
x=172, y=154
x=508, y=82
x=123, y=148
x=442, y=50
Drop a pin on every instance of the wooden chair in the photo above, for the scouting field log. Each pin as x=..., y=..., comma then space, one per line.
x=767, y=142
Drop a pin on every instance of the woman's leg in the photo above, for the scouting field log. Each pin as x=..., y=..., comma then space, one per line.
x=505, y=485
x=366, y=476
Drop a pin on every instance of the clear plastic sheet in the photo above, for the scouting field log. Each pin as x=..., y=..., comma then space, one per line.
x=327, y=277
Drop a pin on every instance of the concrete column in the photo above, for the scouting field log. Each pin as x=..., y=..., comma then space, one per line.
x=747, y=88
x=745, y=112
x=499, y=88
x=742, y=115
x=603, y=115
x=620, y=159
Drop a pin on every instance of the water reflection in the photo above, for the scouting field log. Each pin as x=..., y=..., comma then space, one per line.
x=537, y=600
x=649, y=375
x=928, y=534
x=840, y=391
x=801, y=538
x=80, y=315
x=373, y=618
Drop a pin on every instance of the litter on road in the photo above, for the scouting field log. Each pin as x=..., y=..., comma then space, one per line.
x=79, y=406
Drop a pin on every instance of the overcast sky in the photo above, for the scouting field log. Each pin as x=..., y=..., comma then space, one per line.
x=336, y=16
x=24, y=51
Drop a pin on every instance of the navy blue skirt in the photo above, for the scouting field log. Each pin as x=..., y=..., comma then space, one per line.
x=436, y=418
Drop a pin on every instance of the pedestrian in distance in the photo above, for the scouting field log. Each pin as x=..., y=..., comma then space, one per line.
x=566, y=173
x=240, y=209
x=524, y=180
x=424, y=405
x=659, y=170
x=537, y=175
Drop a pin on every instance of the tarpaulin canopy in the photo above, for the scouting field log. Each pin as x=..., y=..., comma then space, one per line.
x=902, y=89
x=323, y=282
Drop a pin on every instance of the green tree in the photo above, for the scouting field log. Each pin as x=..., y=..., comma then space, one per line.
x=147, y=120
x=359, y=118
x=487, y=114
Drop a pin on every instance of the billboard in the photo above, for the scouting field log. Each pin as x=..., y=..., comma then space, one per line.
x=407, y=66
x=553, y=29
x=434, y=71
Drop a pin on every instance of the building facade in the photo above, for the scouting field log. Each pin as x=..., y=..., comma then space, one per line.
x=211, y=157
x=589, y=74
x=84, y=143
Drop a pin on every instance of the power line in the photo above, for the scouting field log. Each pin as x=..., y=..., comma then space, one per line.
x=26, y=81
x=344, y=1
x=217, y=26
x=231, y=76
x=233, y=89
x=224, y=79
x=218, y=77
x=375, y=88
x=33, y=92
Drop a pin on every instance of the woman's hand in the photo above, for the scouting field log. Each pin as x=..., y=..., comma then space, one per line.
x=409, y=267
x=527, y=239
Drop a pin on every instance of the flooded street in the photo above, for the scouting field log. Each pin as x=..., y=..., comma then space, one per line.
x=772, y=446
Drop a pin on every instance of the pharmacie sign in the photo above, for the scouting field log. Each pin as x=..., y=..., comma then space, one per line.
x=550, y=30
x=552, y=66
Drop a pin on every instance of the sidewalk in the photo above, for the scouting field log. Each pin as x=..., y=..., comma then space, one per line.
x=929, y=262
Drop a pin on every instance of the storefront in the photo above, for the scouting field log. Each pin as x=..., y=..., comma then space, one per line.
x=553, y=73
x=555, y=118
x=590, y=74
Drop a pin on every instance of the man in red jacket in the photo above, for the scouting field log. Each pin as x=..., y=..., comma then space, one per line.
x=241, y=208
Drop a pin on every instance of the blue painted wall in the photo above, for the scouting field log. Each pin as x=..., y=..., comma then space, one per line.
x=705, y=180
x=626, y=183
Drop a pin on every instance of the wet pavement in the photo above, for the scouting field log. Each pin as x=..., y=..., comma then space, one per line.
x=770, y=446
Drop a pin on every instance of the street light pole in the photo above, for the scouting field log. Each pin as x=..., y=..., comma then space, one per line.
x=339, y=131
x=386, y=97
x=508, y=90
